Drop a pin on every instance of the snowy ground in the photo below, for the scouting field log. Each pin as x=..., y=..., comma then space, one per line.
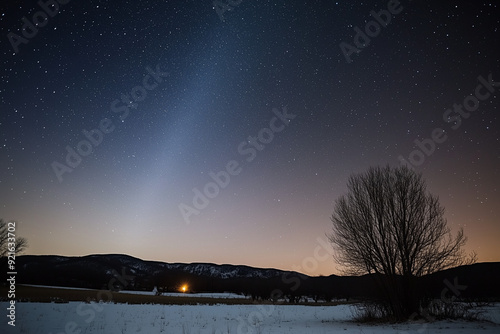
x=224, y=295
x=76, y=317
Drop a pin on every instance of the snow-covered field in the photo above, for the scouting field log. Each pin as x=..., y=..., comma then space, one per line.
x=224, y=295
x=77, y=317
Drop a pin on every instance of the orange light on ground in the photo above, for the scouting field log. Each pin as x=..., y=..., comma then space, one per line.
x=184, y=288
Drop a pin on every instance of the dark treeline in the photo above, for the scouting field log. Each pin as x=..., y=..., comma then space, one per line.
x=478, y=281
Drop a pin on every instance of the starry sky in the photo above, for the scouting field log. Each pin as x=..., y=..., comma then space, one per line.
x=115, y=116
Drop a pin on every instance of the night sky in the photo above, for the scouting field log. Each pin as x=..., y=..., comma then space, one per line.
x=180, y=91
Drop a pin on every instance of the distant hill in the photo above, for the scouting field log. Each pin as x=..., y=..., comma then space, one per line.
x=105, y=271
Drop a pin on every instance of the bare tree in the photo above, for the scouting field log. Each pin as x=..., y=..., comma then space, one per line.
x=389, y=224
x=20, y=245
